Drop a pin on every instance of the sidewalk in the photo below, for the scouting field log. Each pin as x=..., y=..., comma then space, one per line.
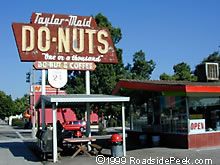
x=154, y=156
x=17, y=153
x=13, y=150
x=2, y=122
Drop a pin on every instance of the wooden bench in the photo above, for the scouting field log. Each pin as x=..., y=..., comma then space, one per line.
x=96, y=149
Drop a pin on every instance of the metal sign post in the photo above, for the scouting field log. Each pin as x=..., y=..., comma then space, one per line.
x=43, y=92
x=123, y=129
x=88, y=130
x=33, y=104
x=54, y=110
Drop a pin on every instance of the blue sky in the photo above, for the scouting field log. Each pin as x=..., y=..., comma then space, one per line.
x=169, y=32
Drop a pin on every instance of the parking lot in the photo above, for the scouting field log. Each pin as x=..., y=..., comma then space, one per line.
x=156, y=155
x=16, y=147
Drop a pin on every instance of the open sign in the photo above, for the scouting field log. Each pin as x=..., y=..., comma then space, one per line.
x=197, y=126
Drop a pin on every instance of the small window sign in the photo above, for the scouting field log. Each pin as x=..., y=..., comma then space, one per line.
x=197, y=126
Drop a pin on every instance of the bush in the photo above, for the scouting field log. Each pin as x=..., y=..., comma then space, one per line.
x=18, y=123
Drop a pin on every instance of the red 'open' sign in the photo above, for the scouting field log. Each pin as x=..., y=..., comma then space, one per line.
x=197, y=126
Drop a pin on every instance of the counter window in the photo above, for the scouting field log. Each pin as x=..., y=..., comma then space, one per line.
x=207, y=108
x=173, y=114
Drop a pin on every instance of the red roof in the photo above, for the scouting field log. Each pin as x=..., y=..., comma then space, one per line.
x=173, y=86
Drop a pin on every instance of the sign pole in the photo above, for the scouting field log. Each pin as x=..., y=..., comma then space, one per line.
x=54, y=109
x=87, y=82
x=43, y=92
x=123, y=129
x=131, y=117
x=34, y=110
x=88, y=131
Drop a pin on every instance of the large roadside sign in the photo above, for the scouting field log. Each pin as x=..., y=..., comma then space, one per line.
x=64, y=38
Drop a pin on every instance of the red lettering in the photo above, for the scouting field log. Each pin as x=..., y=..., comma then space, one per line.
x=192, y=126
x=197, y=126
x=202, y=125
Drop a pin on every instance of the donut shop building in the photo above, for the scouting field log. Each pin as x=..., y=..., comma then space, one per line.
x=182, y=114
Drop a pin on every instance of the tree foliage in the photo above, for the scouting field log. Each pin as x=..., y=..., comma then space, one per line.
x=182, y=72
x=103, y=22
x=141, y=69
x=165, y=76
x=7, y=107
x=21, y=104
x=105, y=77
x=214, y=57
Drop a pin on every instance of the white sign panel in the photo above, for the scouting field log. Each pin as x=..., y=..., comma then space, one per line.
x=197, y=126
x=57, y=77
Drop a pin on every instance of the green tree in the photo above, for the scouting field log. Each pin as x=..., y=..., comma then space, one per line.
x=7, y=107
x=214, y=57
x=76, y=82
x=182, y=72
x=21, y=104
x=141, y=69
x=105, y=77
x=165, y=76
x=103, y=22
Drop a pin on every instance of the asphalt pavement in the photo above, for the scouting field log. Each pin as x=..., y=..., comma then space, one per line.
x=156, y=155
x=15, y=149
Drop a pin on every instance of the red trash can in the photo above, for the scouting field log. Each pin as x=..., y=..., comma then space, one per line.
x=117, y=149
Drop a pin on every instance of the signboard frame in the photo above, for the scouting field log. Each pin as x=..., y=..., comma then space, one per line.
x=63, y=38
x=197, y=126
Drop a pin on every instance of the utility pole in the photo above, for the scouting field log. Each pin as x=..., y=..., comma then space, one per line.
x=33, y=106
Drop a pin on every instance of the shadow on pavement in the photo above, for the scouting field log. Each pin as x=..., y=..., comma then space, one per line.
x=131, y=144
x=20, y=149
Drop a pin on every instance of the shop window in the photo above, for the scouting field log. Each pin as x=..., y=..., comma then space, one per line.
x=173, y=114
x=139, y=118
x=207, y=108
x=146, y=117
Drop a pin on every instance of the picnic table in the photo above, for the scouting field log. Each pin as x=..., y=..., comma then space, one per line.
x=80, y=145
